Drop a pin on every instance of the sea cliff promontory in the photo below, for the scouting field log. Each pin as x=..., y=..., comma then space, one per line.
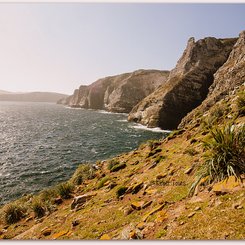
x=118, y=93
x=187, y=85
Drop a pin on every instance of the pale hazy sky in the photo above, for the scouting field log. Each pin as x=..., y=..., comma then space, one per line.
x=57, y=47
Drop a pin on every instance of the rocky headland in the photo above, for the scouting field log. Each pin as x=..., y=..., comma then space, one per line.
x=187, y=85
x=118, y=93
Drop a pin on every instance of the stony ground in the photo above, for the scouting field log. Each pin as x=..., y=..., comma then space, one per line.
x=146, y=195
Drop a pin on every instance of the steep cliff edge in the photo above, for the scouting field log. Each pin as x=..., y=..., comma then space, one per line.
x=228, y=78
x=118, y=93
x=187, y=85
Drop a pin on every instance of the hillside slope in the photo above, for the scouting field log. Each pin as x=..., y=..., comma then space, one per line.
x=144, y=194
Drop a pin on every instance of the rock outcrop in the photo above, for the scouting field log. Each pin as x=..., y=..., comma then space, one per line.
x=187, y=85
x=229, y=77
x=118, y=93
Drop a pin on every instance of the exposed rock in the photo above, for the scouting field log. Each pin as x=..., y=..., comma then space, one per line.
x=153, y=211
x=131, y=232
x=135, y=188
x=46, y=232
x=141, y=225
x=189, y=170
x=197, y=208
x=60, y=234
x=191, y=214
x=105, y=237
x=137, y=205
x=58, y=200
x=187, y=85
x=118, y=93
x=80, y=200
x=128, y=211
x=226, y=186
x=228, y=77
x=237, y=206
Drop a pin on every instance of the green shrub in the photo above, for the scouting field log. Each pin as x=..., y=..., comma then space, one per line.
x=102, y=182
x=112, y=163
x=225, y=154
x=84, y=172
x=120, y=191
x=65, y=189
x=241, y=103
x=13, y=213
x=48, y=194
x=38, y=207
x=118, y=167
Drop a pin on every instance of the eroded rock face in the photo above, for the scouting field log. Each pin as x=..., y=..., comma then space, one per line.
x=118, y=93
x=187, y=85
x=228, y=77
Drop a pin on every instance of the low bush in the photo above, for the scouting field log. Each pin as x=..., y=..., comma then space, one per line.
x=102, y=182
x=13, y=213
x=121, y=191
x=112, y=163
x=225, y=154
x=118, y=167
x=65, y=189
x=84, y=171
x=38, y=207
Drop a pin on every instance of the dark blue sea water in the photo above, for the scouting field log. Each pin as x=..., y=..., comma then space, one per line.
x=41, y=144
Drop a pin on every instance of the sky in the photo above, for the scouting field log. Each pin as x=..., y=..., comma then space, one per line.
x=59, y=46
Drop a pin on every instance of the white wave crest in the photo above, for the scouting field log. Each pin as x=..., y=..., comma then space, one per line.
x=157, y=129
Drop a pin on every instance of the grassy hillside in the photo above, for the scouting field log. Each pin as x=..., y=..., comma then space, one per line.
x=187, y=186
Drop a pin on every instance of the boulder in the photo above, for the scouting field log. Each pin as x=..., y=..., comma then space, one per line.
x=80, y=200
x=225, y=186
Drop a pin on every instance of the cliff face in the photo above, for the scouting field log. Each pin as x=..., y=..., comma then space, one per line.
x=118, y=93
x=226, y=79
x=187, y=85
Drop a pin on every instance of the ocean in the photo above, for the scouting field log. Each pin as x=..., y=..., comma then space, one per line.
x=41, y=144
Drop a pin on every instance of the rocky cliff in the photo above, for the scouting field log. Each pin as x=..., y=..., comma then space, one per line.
x=187, y=85
x=227, y=79
x=118, y=93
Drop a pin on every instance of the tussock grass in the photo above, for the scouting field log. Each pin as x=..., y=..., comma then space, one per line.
x=225, y=154
x=84, y=171
x=38, y=207
x=65, y=189
x=13, y=213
